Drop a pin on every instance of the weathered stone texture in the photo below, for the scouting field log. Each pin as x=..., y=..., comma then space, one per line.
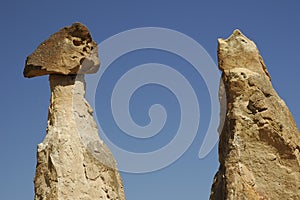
x=72, y=162
x=259, y=142
x=66, y=169
x=68, y=51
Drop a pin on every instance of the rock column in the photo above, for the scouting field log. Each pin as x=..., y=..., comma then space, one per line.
x=72, y=161
x=259, y=142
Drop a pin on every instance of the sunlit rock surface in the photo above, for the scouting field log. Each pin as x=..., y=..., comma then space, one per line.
x=72, y=162
x=259, y=142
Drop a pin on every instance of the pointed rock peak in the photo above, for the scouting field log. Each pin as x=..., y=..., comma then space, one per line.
x=259, y=140
x=238, y=51
x=237, y=36
x=237, y=32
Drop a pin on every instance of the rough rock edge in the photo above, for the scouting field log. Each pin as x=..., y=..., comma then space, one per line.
x=72, y=161
x=259, y=143
x=66, y=169
x=69, y=51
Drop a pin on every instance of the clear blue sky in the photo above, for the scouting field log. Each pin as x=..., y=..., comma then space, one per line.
x=272, y=25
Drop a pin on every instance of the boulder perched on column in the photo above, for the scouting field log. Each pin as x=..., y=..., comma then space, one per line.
x=72, y=161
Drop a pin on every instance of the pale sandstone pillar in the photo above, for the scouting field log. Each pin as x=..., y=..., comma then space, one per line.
x=259, y=143
x=72, y=162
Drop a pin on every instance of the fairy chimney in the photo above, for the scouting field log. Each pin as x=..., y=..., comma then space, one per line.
x=72, y=161
x=259, y=142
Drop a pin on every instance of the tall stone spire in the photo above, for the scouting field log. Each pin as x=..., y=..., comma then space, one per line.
x=72, y=161
x=259, y=142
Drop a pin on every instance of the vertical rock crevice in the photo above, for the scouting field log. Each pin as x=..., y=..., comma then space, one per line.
x=259, y=142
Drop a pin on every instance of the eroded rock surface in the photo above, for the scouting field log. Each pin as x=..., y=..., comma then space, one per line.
x=68, y=51
x=72, y=162
x=259, y=142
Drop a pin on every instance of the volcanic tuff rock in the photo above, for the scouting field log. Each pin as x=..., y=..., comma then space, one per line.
x=68, y=51
x=259, y=142
x=72, y=162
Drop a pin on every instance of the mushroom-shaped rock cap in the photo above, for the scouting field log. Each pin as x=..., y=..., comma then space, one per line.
x=69, y=51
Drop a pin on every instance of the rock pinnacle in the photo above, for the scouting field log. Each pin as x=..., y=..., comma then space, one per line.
x=259, y=142
x=72, y=161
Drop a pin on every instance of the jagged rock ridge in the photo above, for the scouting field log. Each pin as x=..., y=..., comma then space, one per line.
x=259, y=142
x=72, y=161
